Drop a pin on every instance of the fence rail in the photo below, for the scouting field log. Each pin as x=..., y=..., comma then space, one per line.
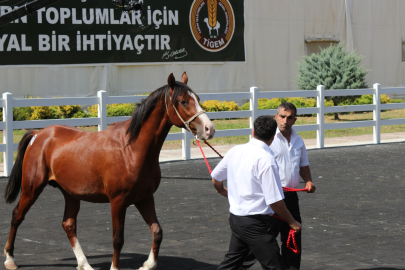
x=8, y=125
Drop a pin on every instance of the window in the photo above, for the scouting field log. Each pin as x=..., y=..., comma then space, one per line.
x=314, y=44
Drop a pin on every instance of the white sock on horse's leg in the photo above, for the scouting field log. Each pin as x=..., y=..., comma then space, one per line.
x=150, y=264
x=9, y=263
x=82, y=263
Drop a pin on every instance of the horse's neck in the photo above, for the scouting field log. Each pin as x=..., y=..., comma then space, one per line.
x=153, y=132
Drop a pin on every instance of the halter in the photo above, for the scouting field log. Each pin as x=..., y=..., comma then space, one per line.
x=186, y=123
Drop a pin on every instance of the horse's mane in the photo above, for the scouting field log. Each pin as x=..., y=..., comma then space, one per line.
x=147, y=105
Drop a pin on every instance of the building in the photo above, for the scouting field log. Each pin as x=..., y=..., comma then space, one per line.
x=276, y=35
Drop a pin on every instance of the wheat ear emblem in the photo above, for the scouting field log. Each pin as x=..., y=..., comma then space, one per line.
x=212, y=12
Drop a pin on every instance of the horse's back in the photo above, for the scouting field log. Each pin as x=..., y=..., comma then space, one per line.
x=94, y=166
x=73, y=158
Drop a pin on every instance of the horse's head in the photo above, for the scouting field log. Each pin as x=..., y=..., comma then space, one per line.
x=184, y=109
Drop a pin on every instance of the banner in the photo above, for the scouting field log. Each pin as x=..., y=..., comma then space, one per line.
x=97, y=32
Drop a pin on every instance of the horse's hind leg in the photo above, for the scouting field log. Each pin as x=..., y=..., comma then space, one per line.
x=147, y=209
x=27, y=199
x=9, y=248
x=72, y=207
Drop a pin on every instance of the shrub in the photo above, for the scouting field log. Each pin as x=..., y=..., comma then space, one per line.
x=42, y=112
x=302, y=102
x=22, y=113
x=65, y=111
x=46, y=112
x=246, y=106
x=120, y=109
x=217, y=106
x=93, y=110
x=267, y=104
x=333, y=67
x=397, y=101
x=368, y=99
x=81, y=114
x=124, y=109
x=385, y=99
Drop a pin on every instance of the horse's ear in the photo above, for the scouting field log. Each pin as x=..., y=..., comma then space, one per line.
x=184, y=78
x=171, y=81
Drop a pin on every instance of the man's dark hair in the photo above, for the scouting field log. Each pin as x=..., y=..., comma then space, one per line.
x=288, y=107
x=265, y=127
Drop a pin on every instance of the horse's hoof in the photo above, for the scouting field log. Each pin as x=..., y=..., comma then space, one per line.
x=11, y=265
x=147, y=268
x=86, y=267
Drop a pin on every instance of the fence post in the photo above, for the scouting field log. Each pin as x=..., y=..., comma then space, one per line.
x=377, y=113
x=320, y=117
x=102, y=110
x=253, y=107
x=8, y=133
x=185, y=145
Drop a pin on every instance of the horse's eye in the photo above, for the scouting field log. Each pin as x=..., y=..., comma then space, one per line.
x=183, y=102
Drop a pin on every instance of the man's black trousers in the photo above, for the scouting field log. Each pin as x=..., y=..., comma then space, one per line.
x=291, y=260
x=252, y=234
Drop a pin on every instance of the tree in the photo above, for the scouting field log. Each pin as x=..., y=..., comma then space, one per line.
x=335, y=68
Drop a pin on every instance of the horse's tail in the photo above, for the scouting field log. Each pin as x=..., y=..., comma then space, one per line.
x=14, y=182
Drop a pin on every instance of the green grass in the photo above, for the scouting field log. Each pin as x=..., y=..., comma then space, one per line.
x=225, y=124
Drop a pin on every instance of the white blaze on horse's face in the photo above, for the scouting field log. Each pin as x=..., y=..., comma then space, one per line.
x=207, y=130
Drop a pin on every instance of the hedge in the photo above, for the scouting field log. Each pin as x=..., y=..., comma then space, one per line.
x=123, y=109
x=267, y=104
x=219, y=106
x=126, y=109
x=68, y=111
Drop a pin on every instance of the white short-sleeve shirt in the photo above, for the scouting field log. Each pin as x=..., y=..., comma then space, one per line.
x=253, y=180
x=290, y=157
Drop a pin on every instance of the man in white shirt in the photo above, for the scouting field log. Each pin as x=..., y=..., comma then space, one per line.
x=292, y=160
x=254, y=193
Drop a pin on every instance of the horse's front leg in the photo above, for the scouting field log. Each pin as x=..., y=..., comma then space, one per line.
x=118, y=211
x=147, y=209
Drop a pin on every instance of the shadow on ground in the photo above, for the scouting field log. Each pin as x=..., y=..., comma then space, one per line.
x=127, y=261
x=379, y=268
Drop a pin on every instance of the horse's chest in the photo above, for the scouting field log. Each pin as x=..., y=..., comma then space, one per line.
x=144, y=188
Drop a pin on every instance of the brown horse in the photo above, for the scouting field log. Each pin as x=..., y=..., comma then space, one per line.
x=119, y=165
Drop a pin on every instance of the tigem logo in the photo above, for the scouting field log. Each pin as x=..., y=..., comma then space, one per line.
x=212, y=23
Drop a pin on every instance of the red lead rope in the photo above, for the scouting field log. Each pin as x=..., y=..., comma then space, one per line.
x=287, y=189
x=212, y=149
x=202, y=152
x=291, y=236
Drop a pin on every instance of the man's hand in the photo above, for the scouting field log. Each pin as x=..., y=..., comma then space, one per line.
x=310, y=186
x=224, y=192
x=306, y=175
x=219, y=187
x=296, y=226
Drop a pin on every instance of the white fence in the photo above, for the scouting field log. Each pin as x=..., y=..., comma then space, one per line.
x=102, y=120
